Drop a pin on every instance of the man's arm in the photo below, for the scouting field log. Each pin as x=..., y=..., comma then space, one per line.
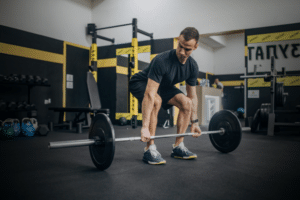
x=191, y=93
x=148, y=101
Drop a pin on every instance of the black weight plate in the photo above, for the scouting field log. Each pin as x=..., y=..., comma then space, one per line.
x=231, y=139
x=102, y=153
x=265, y=109
x=279, y=97
x=255, y=122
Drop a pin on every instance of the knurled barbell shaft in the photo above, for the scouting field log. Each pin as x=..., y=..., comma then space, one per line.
x=87, y=142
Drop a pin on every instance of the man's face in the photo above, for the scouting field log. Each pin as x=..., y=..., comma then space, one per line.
x=185, y=48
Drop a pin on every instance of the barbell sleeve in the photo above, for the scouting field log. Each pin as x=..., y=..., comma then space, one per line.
x=246, y=129
x=71, y=143
x=255, y=76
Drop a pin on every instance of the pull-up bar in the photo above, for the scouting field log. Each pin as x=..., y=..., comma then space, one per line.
x=92, y=30
x=113, y=26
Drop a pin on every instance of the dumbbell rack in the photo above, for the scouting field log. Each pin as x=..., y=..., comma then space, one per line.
x=30, y=86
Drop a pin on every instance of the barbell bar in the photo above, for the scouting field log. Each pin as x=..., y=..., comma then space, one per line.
x=225, y=133
x=87, y=142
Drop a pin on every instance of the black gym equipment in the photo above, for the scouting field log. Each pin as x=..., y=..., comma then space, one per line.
x=42, y=130
x=278, y=99
x=224, y=125
x=37, y=80
x=2, y=105
x=95, y=107
x=15, y=78
x=30, y=79
x=231, y=139
x=122, y=121
x=44, y=81
x=22, y=78
x=12, y=105
x=255, y=122
x=133, y=60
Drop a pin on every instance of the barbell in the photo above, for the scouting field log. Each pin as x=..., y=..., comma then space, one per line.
x=225, y=133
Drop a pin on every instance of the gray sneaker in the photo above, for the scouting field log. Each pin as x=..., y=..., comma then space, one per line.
x=182, y=152
x=152, y=156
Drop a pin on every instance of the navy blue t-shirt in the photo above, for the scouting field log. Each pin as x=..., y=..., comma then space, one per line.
x=166, y=69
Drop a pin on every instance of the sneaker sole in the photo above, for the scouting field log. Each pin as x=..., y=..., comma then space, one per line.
x=184, y=158
x=155, y=163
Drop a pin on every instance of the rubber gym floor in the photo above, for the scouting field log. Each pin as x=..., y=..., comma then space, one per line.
x=262, y=167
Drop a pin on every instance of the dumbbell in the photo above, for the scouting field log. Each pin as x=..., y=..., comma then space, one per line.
x=44, y=81
x=11, y=105
x=20, y=105
x=22, y=78
x=15, y=78
x=1, y=78
x=8, y=79
x=30, y=79
x=28, y=106
x=37, y=80
x=2, y=105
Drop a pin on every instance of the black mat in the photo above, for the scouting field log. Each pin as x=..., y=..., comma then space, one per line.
x=262, y=167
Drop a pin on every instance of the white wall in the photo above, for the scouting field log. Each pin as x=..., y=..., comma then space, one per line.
x=204, y=56
x=59, y=19
x=168, y=17
x=231, y=58
x=66, y=20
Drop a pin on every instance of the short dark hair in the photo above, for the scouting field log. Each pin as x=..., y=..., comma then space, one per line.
x=190, y=33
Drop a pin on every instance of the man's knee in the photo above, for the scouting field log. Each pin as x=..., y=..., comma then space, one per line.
x=157, y=102
x=186, y=104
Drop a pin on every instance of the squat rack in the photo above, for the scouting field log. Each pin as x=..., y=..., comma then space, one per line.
x=92, y=30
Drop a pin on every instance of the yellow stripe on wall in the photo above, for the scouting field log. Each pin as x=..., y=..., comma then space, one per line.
x=122, y=51
x=122, y=70
x=31, y=53
x=272, y=37
x=144, y=49
x=109, y=62
x=259, y=82
x=128, y=116
x=232, y=83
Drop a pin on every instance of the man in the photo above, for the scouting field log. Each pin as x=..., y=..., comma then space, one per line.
x=155, y=87
x=219, y=85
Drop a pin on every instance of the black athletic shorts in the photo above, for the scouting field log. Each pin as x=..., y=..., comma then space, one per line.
x=138, y=88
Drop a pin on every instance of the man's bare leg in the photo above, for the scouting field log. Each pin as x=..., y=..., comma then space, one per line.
x=184, y=104
x=153, y=118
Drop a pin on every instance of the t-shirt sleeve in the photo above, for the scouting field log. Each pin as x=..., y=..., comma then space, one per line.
x=156, y=71
x=192, y=80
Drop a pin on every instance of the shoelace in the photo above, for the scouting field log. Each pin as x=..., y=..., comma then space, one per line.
x=154, y=153
x=183, y=148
